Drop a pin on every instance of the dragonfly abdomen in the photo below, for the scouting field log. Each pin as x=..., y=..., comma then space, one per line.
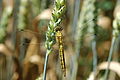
x=62, y=59
x=59, y=39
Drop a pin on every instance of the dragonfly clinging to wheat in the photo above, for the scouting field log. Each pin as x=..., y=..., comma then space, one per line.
x=59, y=39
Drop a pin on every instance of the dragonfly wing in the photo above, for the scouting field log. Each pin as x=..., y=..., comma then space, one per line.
x=29, y=35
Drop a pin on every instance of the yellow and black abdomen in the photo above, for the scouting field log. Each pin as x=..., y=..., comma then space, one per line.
x=59, y=39
x=62, y=59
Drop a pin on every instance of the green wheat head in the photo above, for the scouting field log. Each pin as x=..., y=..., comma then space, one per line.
x=55, y=21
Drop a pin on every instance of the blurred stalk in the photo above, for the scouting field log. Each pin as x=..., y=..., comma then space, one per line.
x=36, y=6
x=112, y=75
x=7, y=13
x=80, y=32
x=43, y=5
x=115, y=57
x=56, y=18
x=22, y=24
x=23, y=14
x=5, y=19
x=116, y=33
x=9, y=67
x=75, y=15
x=3, y=67
x=109, y=58
x=94, y=50
x=15, y=12
x=92, y=14
x=0, y=8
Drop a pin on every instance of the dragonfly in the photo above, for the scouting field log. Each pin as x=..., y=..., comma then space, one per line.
x=59, y=39
x=42, y=32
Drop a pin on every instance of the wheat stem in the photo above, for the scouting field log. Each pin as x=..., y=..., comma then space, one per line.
x=55, y=21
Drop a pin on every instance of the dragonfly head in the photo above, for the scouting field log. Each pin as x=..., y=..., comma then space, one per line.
x=58, y=29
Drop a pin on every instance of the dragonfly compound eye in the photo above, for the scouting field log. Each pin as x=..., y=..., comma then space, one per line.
x=58, y=29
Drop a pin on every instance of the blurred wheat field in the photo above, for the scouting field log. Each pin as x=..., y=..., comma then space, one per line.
x=90, y=41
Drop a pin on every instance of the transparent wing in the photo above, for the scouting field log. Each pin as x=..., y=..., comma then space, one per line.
x=28, y=34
